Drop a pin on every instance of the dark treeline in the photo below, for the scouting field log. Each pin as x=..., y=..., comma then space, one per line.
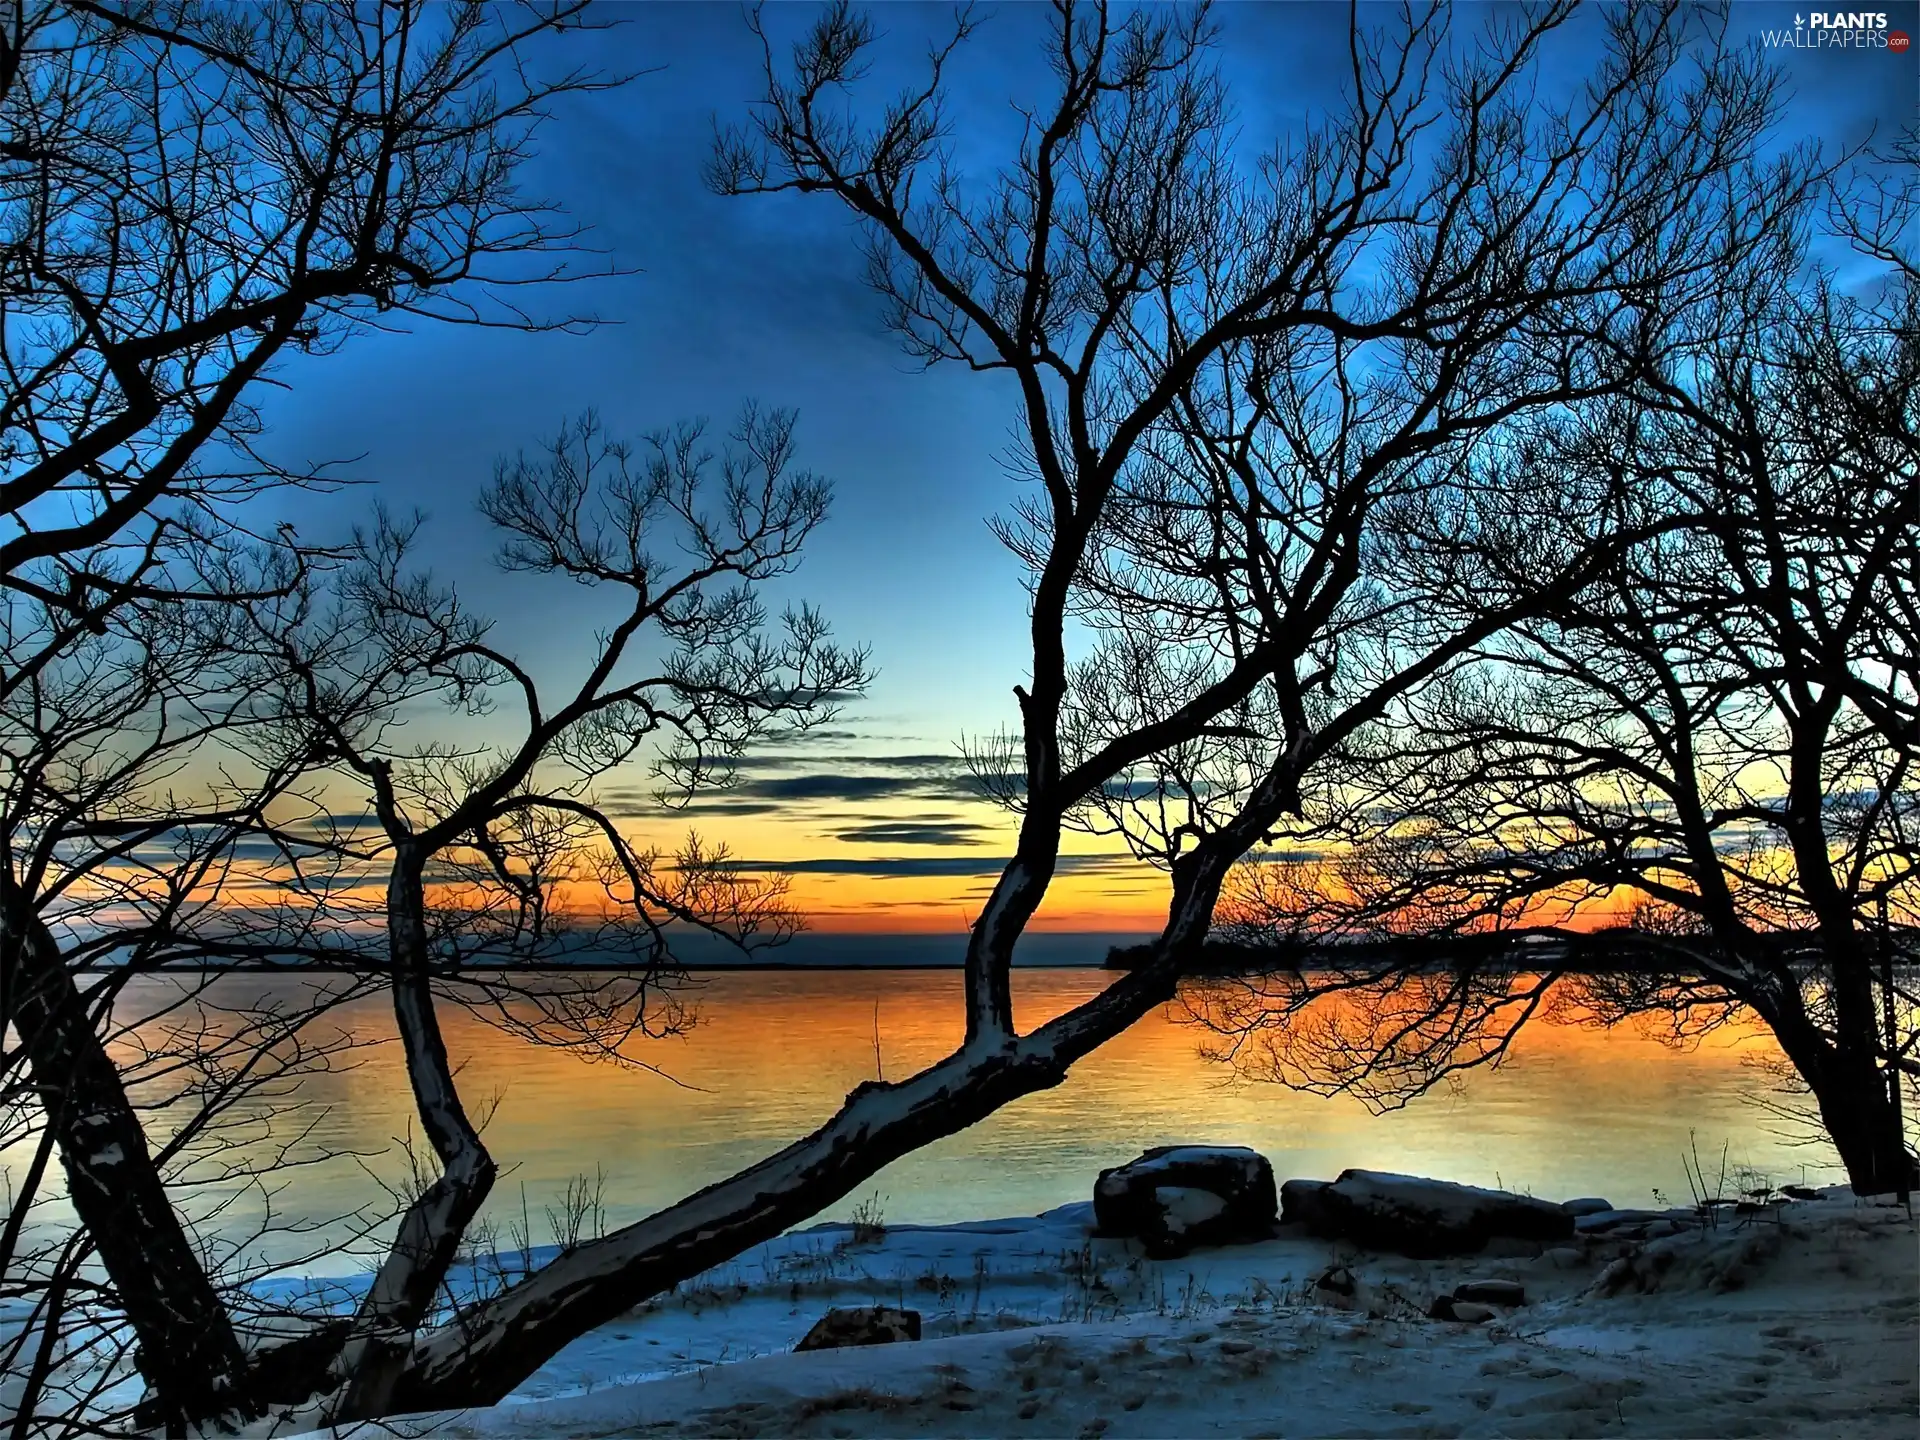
x=1547, y=949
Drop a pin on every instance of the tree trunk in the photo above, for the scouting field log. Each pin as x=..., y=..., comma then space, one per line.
x=1858, y=1113
x=1844, y=1071
x=1855, y=1098
x=430, y=1232
x=1850, y=1088
x=478, y=1358
x=188, y=1351
x=482, y=1353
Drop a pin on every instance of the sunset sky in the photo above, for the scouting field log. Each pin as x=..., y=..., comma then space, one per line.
x=763, y=299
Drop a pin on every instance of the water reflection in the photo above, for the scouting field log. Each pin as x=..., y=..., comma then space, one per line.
x=1575, y=1111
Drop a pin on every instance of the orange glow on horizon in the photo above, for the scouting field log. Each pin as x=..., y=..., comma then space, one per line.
x=856, y=893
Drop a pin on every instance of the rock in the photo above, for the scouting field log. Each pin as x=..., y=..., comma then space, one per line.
x=1565, y=1257
x=1175, y=1197
x=1586, y=1205
x=1661, y=1229
x=879, y=1325
x=1184, y=1210
x=1300, y=1202
x=1799, y=1192
x=1417, y=1217
x=1505, y=1247
x=1337, y=1281
x=1491, y=1292
x=1600, y=1222
x=1640, y=1270
x=1445, y=1307
x=1618, y=1275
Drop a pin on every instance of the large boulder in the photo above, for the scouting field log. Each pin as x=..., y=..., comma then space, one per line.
x=874, y=1325
x=1175, y=1197
x=1412, y=1216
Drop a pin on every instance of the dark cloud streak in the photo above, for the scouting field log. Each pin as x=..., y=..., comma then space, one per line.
x=920, y=866
x=931, y=831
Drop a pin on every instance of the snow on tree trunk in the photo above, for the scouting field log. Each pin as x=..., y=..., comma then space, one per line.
x=479, y=1357
x=188, y=1351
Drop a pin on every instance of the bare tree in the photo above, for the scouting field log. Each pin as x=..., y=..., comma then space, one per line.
x=138, y=839
x=475, y=841
x=1720, y=729
x=190, y=194
x=221, y=1082
x=1233, y=373
x=193, y=192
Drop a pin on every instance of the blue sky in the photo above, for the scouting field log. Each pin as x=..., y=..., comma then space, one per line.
x=762, y=298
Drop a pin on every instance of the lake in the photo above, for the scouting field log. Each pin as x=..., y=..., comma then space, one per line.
x=1575, y=1111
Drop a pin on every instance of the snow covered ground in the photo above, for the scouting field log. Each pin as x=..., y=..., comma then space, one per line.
x=1801, y=1321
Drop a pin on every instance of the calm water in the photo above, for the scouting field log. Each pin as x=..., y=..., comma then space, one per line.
x=1574, y=1111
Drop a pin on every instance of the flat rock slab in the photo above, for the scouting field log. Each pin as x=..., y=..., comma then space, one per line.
x=1599, y=1222
x=1175, y=1197
x=1422, y=1218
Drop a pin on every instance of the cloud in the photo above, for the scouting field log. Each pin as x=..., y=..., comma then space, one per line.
x=774, y=760
x=832, y=787
x=895, y=868
x=820, y=737
x=780, y=782
x=857, y=779
x=901, y=867
x=934, y=831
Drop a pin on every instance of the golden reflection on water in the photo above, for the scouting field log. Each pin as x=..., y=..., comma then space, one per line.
x=1574, y=1111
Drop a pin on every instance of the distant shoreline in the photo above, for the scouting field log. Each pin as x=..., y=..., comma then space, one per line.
x=1612, y=951
x=700, y=954
x=756, y=966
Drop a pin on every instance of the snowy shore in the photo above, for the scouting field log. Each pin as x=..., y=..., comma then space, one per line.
x=1801, y=1320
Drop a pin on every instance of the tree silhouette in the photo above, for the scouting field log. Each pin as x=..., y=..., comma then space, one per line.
x=1233, y=375
x=1721, y=728
x=193, y=193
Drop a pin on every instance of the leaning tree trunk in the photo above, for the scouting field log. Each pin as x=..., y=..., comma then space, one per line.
x=481, y=1355
x=188, y=1351
x=484, y=1351
x=398, y=1301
